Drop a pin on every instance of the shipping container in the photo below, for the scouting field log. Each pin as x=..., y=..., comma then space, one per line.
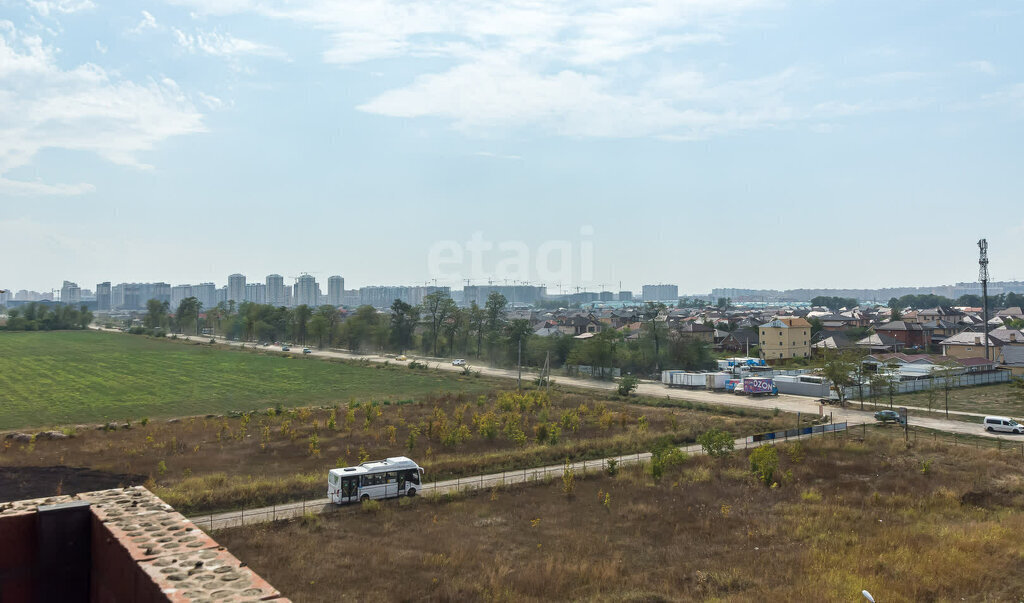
x=715, y=381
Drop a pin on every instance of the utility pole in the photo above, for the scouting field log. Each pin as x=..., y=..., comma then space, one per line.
x=983, y=277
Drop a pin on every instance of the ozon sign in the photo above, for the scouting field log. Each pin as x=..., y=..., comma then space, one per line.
x=757, y=386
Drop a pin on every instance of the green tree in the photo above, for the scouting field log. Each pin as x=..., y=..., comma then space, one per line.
x=628, y=385
x=665, y=455
x=840, y=373
x=360, y=327
x=715, y=442
x=187, y=315
x=300, y=322
x=494, y=320
x=403, y=323
x=476, y=318
x=437, y=308
x=156, y=313
x=950, y=375
x=517, y=331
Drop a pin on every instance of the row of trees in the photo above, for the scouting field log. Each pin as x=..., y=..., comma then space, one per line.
x=438, y=327
x=45, y=317
x=1000, y=300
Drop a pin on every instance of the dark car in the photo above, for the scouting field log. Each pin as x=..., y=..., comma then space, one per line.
x=888, y=415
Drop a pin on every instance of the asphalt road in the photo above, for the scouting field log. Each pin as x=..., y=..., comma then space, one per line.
x=783, y=402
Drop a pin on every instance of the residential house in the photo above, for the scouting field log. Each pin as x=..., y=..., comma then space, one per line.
x=739, y=340
x=911, y=334
x=880, y=342
x=696, y=330
x=971, y=344
x=831, y=341
x=785, y=337
x=940, y=313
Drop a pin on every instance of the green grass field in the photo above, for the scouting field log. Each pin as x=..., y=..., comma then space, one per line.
x=87, y=377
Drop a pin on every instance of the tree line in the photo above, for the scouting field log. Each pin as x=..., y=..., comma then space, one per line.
x=439, y=327
x=45, y=317
x=995, y=302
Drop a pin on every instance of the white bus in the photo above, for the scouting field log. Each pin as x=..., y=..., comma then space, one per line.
x=392, y=477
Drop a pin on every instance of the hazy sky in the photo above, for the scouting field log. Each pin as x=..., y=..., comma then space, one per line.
x=708, y=143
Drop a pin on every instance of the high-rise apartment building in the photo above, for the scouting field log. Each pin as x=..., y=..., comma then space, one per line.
x=206, y=293
x=276, y=295
x=70, y=293
x=256, y=293
x=178, y=294
x=307, y=292
x=236, y=288
x=661, y=293
x=103, y=296
x=335, y=290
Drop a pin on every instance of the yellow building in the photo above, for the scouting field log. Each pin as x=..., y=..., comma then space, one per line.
x=784, y=338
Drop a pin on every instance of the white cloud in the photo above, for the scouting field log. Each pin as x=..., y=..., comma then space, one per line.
x=46, y=8
x=84, y=108
x=148, y=22
x=101, y=47
x=222, y=45
x=567, y=66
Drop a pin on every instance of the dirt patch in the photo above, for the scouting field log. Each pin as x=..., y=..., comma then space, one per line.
x=18, y=483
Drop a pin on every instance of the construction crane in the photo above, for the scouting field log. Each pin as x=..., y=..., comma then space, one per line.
x=983, y=277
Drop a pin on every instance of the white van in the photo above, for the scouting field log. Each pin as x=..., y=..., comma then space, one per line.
x=1004, y=424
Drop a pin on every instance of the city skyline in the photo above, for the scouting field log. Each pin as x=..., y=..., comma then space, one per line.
x=710, y=144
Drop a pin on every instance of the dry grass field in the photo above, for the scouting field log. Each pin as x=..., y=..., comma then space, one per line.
x=208, y=463
x=928, y=522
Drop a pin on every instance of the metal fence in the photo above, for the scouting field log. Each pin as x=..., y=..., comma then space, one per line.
x=964, y=380
x=498, y=479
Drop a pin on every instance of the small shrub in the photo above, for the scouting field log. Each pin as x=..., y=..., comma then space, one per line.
x=568, y=480
x=716, y=443
x=628, y=385
x=161, y=468
x=810, y=495
x=764, y=462
x=613, y=467
x=144, y=421
x=926, y=466
x=795, y=453
x=665, y=455
x=311, y=521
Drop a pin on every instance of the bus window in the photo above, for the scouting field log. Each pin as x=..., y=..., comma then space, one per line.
x=391, y=477
x=413, y=476
x=365, y=480
x=378, y=479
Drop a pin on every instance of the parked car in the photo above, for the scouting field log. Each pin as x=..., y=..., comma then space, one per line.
x=459, y=362
x=306, y=351
x=285, y=348
x=401, y=358
x=1003, y=424
x=889, y=415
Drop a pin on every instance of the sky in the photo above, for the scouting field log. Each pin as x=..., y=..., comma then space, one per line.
x=586, y=143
